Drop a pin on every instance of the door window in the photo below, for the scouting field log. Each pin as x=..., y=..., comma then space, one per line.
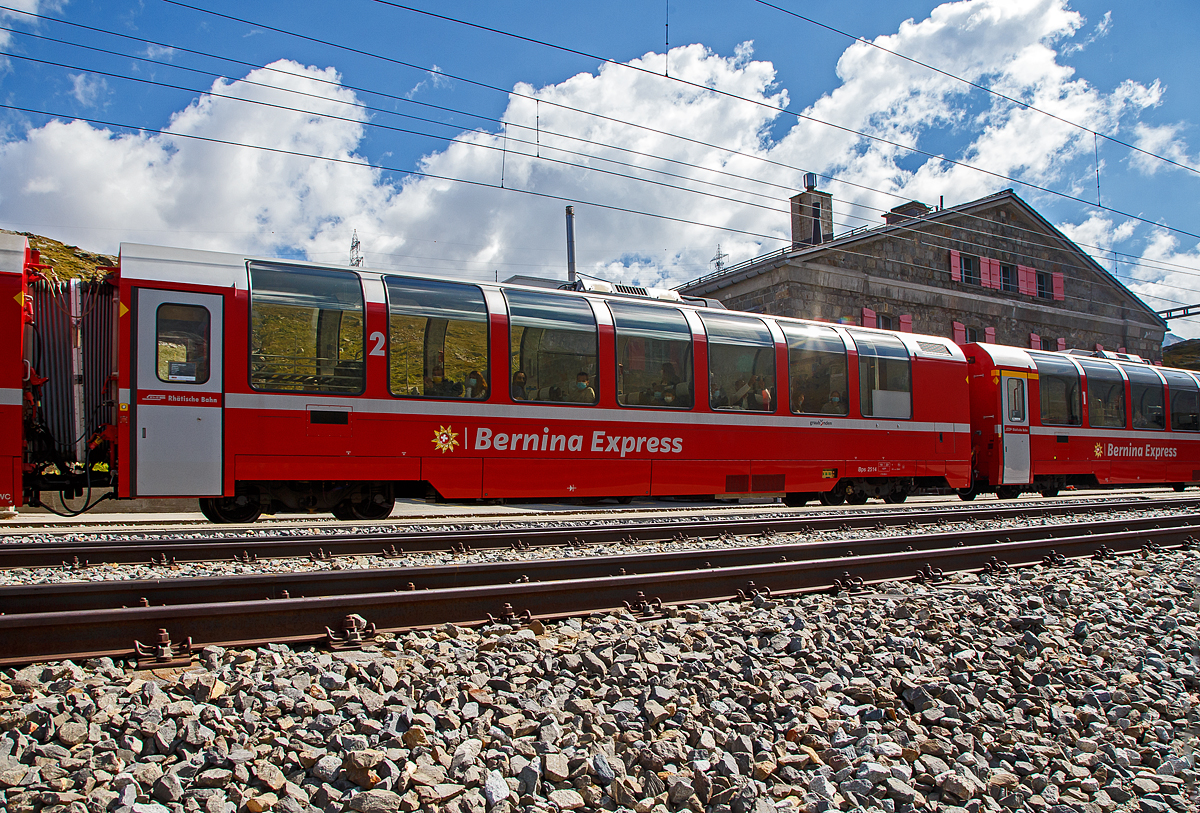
x=1015, y=387
x=182, y=343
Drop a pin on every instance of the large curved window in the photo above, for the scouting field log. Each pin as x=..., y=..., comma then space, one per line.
x=1146, y=398
x=816, y=369
x=306, y=330
x=1185, y=401
x=1059, y=392
x=654, y=356
x=741, y=363
x=437, y=339
x=552, y=348
x=884, y=376
x=1106, y=394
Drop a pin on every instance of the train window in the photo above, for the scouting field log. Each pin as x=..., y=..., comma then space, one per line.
x=816, y=369
x=741, y=363
x=552, y=348
x=437, y=339
x=1146, y=398
x=1105, y=394
x=1185, y=401
x=884, y=376
x=654, y=356
x=306, y=330
x=1059, y=392
x=182, y=355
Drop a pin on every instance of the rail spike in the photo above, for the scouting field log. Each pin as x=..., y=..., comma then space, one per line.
x=995, y=565
x=392, y=553
x=753, y=591
x=353, y=634
x=929, y=574
x=163, y=653
x=75, y=564
x=848, y=583
x=321, y=556
x=459, y=547
x=1104, y=552
x=510, y=616
x=245, y=557
x=643, y=607
x=162, y=560
x=1054, y=559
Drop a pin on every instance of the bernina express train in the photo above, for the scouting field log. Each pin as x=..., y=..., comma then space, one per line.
x=265, y=385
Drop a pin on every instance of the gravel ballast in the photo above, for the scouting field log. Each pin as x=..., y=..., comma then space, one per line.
x=1044, y=689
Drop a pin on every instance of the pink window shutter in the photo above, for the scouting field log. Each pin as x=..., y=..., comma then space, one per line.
x=1121, y=350
x=996, y=274
x=1035, y=341
x=960, y=332
x=1059, y=296
x=868, y=318
x=1099, y=346
x=990, y=269
x=906, y=323
x=955, y=266
x=989, y=335
x=1027, y=280
x=1062, y=345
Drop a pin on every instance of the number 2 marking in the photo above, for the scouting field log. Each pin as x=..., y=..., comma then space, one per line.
x=377, y=337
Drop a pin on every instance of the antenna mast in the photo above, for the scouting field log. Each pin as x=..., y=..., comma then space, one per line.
x=719, y=258
x=356, y=255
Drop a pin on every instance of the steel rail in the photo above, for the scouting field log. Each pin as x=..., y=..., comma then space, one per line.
x=51, y=554
x=38, y=636
x=110, y=594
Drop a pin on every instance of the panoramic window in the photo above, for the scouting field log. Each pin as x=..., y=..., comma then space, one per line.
x=1059, y=392
x=741, y=363
x=1146, y=398
x=182, y=343
x=552, y=348
x=437, y=339
x=306, y=330
x=1106, y=394
x=1185, y=401
x=816, y=369
x=884, y=376
x=654, y=356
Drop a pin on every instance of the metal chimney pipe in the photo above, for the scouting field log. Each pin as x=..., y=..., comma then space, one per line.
x=571, y=244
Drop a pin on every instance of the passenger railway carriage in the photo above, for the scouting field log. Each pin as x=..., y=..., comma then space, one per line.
x=261, y=385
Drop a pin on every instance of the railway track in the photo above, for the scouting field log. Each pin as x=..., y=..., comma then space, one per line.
x=323, y=543
x=469, y=594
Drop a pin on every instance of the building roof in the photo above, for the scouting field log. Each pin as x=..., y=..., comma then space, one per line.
x=714, y=282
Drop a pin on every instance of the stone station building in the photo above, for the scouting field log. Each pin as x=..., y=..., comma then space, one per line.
x=989, y=270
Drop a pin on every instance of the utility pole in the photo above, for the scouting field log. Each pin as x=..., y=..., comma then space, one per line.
x=719, y=258
x=356, y=255
x=571, y=244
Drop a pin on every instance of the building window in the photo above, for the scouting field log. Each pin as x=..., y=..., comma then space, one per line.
x=972, y=334
x=1045, y=285
x=1008, y=279
x=1049, y=345
x=970, y=270
x=883, y=321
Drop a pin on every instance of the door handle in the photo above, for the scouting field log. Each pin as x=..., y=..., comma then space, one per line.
x=143, y=431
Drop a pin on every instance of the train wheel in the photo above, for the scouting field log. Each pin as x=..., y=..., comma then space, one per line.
x=242, y=508
x=857, y=498
x=896, y=497
x=1179, y=486
x=1007, y=492
x=624, y=500
x=1049, y=492
x=832, y=497
x=797, y=498
x=967, y=494
x=349, y=509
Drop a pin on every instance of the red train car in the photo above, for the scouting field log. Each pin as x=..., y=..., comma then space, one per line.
x=262, y=385
x=1042, y=421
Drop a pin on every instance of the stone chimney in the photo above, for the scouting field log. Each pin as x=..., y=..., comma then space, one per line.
x=812, y=215
x=906, y=211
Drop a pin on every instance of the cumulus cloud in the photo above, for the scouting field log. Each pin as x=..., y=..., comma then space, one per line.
x=746, y=158
x=86, y=89
x=30, y=6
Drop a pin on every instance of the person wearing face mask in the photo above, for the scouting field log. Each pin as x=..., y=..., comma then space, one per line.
x=518, y=386
x=438, y=386
x=582, y=392
x=835, y=405
x=477, y=387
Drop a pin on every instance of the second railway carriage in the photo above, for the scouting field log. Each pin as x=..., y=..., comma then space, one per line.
x=1042, y=421
x=263, y=385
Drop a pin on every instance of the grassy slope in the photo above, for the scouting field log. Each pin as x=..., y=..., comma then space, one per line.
x=67, y=262
x=1184, y=354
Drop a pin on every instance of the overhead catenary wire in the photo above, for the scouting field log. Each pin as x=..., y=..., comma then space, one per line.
x=597, y=157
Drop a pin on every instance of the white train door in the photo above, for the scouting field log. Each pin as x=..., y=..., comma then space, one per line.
x=179, y=394
x=1016, y=429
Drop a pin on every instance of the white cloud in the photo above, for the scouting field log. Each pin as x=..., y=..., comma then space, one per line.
x=1162, y=140
x=86, y=89
x=166, y=189
x=1167, y=278
x=30, y=6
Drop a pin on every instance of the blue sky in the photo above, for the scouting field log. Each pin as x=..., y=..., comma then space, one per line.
x=338, y=128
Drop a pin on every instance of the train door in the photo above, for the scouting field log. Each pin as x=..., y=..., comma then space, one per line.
x=1016, y=429
x=179, y=386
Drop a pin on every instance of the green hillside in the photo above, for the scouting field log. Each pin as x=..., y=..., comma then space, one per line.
x=1184, y=354
x=67, y=262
